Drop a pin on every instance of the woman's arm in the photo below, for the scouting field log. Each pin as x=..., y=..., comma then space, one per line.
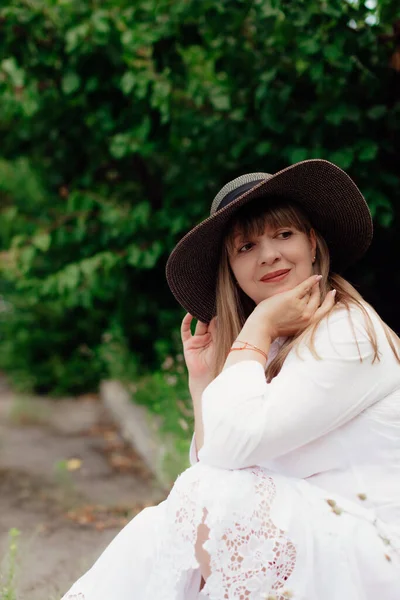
x=247, y=421
x=198, y=351
x=299, y=306
x=196, y=391
x=253, y=334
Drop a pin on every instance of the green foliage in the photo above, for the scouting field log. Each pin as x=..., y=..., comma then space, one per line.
x=120, y=120
x=166, y=393
x=7, y=578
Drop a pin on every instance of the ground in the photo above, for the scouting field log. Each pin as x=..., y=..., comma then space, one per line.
x=68, y=484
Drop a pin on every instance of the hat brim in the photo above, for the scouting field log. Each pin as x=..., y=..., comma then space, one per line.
x=336, y=208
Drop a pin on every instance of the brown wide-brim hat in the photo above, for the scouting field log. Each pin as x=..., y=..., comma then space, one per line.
x=331, y=199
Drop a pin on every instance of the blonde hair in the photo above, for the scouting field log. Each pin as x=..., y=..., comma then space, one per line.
x=233, y=306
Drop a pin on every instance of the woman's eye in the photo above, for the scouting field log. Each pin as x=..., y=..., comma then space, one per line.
x=243, y=248
x=285, y=234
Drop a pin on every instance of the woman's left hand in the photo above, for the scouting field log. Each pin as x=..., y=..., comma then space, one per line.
x=290, y=312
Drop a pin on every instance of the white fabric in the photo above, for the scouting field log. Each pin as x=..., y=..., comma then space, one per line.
x=298, y=482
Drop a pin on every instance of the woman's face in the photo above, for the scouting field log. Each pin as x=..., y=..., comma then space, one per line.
x=273, y=262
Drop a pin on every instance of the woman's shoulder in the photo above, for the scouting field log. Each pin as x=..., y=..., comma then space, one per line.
x=348, y=331
x=352, y=316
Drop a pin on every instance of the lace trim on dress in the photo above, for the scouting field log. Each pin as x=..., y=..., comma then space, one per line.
x=250, y=557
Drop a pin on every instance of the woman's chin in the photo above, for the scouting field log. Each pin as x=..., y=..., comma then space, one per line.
x=275, y=291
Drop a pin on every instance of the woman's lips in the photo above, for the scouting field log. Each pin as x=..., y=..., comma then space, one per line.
x=277, y=278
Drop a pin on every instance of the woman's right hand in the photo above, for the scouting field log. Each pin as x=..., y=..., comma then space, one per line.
x=199, y=349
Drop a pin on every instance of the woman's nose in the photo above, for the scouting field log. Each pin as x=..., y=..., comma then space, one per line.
x=268, y=253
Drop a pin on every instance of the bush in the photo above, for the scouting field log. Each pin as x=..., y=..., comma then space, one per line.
x=165, y=392
x=120, y=120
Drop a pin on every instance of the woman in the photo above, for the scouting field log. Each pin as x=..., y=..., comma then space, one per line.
x=295, y=382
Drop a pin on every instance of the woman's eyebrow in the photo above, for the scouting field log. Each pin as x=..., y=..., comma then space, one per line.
x=241, y=235
x=238, y=237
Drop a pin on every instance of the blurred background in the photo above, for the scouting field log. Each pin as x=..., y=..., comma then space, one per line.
x=119, y=121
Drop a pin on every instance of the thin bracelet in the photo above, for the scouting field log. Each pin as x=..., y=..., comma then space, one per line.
x=248, y=346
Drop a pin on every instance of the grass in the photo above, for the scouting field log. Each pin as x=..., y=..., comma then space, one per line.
x=8, y=571
x=165, y=393
x=7, y=578
x=64, y=481
x=26, y=410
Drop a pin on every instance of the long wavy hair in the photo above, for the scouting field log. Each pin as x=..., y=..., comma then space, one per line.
x=233, y=306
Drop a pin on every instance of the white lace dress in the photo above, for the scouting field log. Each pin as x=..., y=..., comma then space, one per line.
x=298, y=482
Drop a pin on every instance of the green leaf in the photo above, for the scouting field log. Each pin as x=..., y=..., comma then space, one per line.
x=69, y=278
x=332, y=52
x=310, y=45
x=151, y=256
x=368, y=152
x=379, y=202
x=337, y=114
x=9, y=213
x=297, y=154
x=133, y=255
x=127, y=82
x=42, y=241
x=26, y=257
x=376, y=112
x=220, y=101
x=140, y=214
x=343, y=158
x=301, y=65
x=386, y=218
x=16, y=74
x=317, y=72
x=70, y=83
x=119, y=146
x=263, y=148
x=100, y=22
x=75, y=36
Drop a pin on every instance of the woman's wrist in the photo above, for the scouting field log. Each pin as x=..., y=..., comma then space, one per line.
x=197, y=385
x=254, y=335
x=240, y=345
x=257, y=331
x=259, y=320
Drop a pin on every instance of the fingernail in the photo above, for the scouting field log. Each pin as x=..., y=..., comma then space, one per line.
x=333, y=292
x=318, y=277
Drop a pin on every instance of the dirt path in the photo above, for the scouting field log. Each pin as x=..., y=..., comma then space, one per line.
x=68, y=483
